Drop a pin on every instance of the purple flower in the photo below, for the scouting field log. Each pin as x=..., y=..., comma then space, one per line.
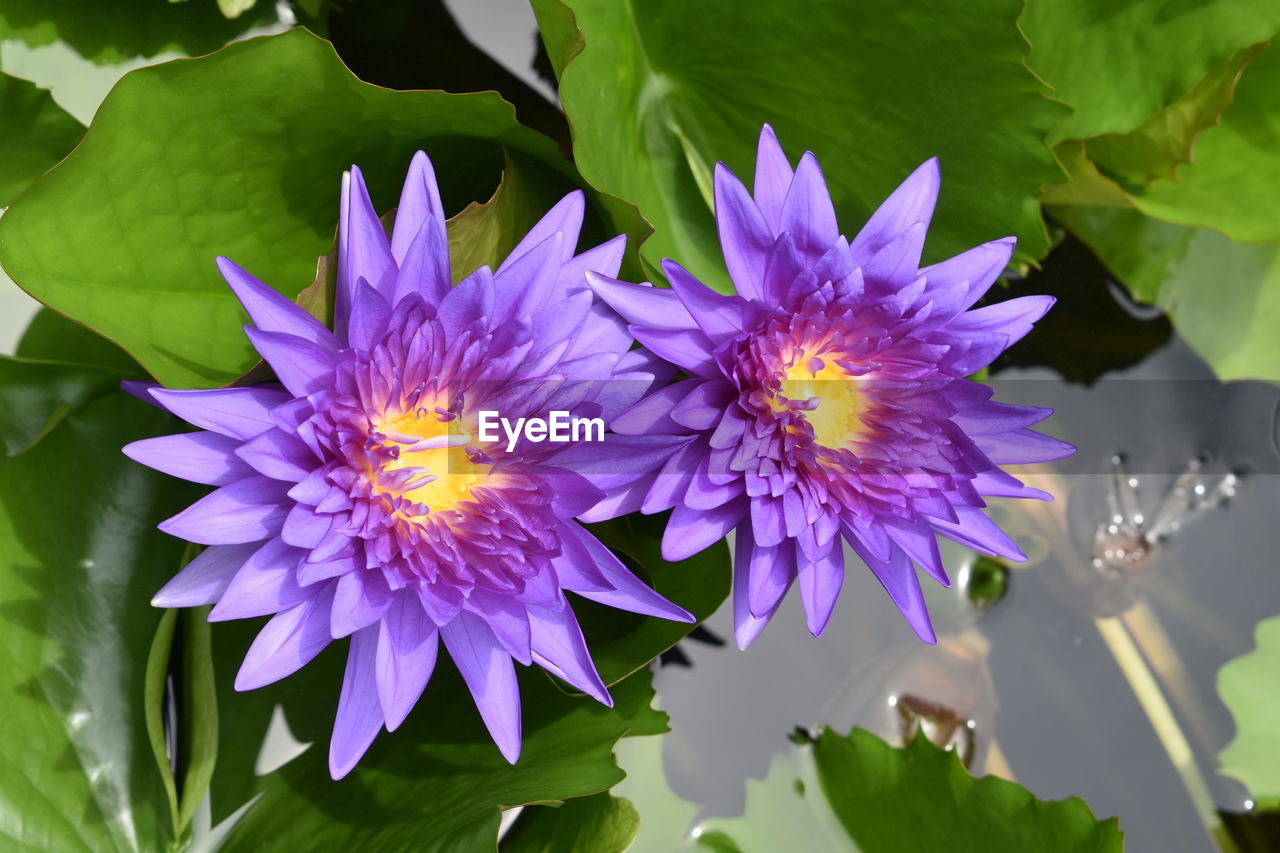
x=827, y=398
x=358, y=499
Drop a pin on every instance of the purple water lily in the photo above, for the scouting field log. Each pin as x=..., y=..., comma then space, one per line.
x=827, y=398
x=358, y=498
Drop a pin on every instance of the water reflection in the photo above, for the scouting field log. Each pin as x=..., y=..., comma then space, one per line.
x=1024, y=681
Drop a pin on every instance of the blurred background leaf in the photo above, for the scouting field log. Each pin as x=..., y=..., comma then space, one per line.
x=1248, y=687
x=1224, y=297
x=123, y=29
x=35, y=133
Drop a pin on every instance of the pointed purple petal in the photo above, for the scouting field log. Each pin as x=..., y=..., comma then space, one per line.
x=690, y=531
x=527, y=284
x=807, y=212
x=820, y=581
x=898, y=577
x=565, y=218
x=270, y=311
x=921, y=545
x=279, y=456
x=360, y=598
x=265, y=584
x=370, y=312
x=425, y=268
x=1023, y=446
x=896, y=265
x=558, y=646
x=302, y=366
x=407, y=648
x=643, y=305
x=201, y=457
x=469, y=301
x=1013, y=317
x=978, y=532
x=958, y=282
x=490, y=676
x=605, y=260
x=629, y=592
x=420, y=210
x=287, y=642
x=745, y=239
x=747, y=627
x=248, y=510
x=773, y=178
x=363, y=250
x=688, y=349
x=359, y=716
x=720, y=317
x=910, y=203
x=507, y=618
x=202, y=580
x=238, y=412
x=770, y=574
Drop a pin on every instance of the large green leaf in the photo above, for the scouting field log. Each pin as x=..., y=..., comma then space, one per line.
x=436, y=783
x=1234, y=184
x=1249, y=688
x=921, y=798
x=600, y=823
x=657, y=92
x=79, y=561
x=123, y=29
x=35, y=133
x=218, y=156
x=1223, y=297
x=1117, y=63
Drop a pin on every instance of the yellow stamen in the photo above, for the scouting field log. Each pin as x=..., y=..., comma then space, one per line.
x=837, y=420
x=455, y=474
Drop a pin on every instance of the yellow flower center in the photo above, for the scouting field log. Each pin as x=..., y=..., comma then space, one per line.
x=837, y=420
x=446, y=459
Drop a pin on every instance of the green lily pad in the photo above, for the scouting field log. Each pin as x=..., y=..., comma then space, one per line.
x=600, y=823
x=657, y=93
x=1117, y=63
x=1234, y=184
x=1166, y=140
x=920, y=798
x=436, y=783
x=1248, y=686
x=197, y=158
x=35, y=396
x=79, y=559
